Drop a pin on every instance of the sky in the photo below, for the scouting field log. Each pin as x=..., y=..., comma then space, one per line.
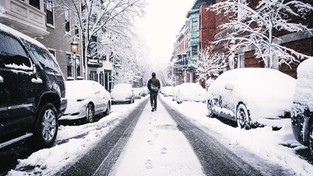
x=160, y=25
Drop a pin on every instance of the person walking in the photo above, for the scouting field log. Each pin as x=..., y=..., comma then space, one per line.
x=154, y=87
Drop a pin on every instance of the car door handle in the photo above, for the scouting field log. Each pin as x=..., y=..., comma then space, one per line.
x=1, y=79
x=36, y=80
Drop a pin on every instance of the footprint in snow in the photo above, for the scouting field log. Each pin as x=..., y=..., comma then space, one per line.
x=163, y=150
x=150, y=142
x=148, y=164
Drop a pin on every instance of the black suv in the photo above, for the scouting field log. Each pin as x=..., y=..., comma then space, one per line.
x=31, y=90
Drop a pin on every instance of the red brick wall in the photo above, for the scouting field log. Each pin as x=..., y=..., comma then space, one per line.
x=207, y=26
x=251, y=61
x=303, y=46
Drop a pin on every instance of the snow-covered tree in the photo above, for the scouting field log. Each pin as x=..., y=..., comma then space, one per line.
x=255, y=26
x=105, y=25
x=210, y=64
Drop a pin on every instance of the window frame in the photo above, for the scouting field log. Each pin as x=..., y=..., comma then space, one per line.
x=67, y=23
x=34, y=4
x=50, y=10
x=241, y=61
x=69, y=65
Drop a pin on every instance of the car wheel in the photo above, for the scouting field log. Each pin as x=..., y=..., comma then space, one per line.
x=210, y=106
x=243, y=117
x=90, y=113
x=47, y=125
x=310, y=139
x=107, y=112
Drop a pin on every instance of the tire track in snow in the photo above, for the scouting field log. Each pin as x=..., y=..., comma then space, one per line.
x=103, y=156
x=214, y=157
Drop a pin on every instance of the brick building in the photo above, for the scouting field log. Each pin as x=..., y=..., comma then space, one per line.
x=299, y=41
x=199, y=30
x=56, y=28
x=203, y=27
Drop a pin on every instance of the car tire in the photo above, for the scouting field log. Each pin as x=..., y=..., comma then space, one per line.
x=107, y=112
x=90, y=113
x=310, y=139
x=243, y=117
x=209, y=107
x=47, y=125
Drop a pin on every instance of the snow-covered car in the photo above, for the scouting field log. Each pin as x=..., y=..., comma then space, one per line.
x=302, y=109
x=122, y=93
x=252, y=96
x=86, y=99
x=145, y=91
x=190, y=92
x=167, y=91
x=32, y=92
x=174, y=96
x=137, y=92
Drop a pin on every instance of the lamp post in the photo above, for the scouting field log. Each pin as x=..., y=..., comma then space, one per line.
x=232, y=57
x=74, y=49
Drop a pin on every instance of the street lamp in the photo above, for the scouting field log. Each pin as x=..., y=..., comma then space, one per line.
x=74, y=49
x=232, y=57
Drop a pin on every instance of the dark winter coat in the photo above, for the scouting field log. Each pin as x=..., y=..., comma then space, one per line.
x=153, y=85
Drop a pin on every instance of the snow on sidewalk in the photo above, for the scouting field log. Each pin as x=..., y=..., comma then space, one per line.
x=157, y=147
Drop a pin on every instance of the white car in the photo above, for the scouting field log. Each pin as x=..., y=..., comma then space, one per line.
x=137, y=92
x=302, y=109
x=122, y=93
x=86, y=99
x=190, y=92
x=167, y=91
x=251, y=96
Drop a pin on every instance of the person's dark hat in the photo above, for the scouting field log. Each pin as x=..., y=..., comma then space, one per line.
x=153, y=74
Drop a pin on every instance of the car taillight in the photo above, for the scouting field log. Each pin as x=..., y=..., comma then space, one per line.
x=79, y=100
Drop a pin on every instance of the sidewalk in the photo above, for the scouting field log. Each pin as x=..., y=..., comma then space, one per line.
x=157, y=148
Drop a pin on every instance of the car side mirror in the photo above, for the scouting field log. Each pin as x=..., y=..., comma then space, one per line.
x=229, y=86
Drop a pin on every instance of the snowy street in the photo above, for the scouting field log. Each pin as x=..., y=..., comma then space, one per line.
x=157, y=147
x=156, y=88
x=161, y=144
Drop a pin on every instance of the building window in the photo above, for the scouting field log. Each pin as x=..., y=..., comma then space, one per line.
x=77, y=62
x=67, y=21
x=93, y=76
x=241, y=61
x=35, y=3
x=76, y=27
x=69, y=65
x=194, y=24
x=272, y=62
x=49, y=12
x=241, y=12
x=194, y=51
x=101, y=79
x=92, y=48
